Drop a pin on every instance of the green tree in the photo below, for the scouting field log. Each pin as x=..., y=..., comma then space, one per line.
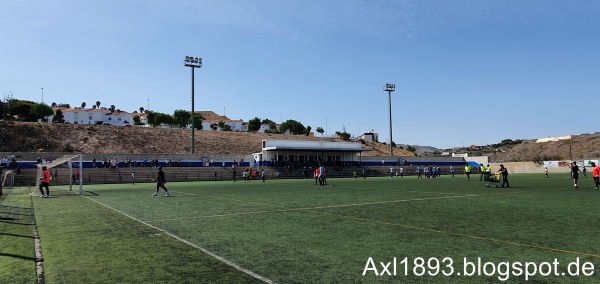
x=293, y=126
x=3, y=109
x=254, y=124
x=151, y=118
x=223, y=126
x=41, y=111
x=162, y=118
x=97, y=104
x=320, y=130
x=411, y=149
x=170, y=120
x=343, y=134
x=83, y=104
x=198, y=122
x=64, y=105
x=307, y=130
x=58, y=116
x=272, y=128
x=136, y=120
x=22, y=109
x=182, y=117
x=266, y=121
x=141, y=109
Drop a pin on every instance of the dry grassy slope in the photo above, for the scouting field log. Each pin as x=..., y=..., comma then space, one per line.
x=383, y=150
x=30, y=137
x=578, y=148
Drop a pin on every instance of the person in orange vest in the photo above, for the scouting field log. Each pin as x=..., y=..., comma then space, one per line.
x=317, y=172
x=45, y=182
x=596, y=175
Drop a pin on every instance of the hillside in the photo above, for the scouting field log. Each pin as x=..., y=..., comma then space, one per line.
x=579, y=147
x=42, y=137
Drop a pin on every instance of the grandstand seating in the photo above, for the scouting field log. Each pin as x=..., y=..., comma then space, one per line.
x=27, y=177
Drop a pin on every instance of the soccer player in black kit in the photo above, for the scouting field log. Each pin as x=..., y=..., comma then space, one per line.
x=160, y=182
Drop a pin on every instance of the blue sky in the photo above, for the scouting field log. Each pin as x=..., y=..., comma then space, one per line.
x=466, y=72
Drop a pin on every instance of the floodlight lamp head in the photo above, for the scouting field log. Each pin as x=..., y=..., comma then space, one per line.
x=190, y=61
x=390, y=87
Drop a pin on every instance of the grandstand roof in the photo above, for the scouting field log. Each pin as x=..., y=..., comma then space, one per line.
x=272, y=145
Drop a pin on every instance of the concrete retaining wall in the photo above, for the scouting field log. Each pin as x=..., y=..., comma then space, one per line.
x=33, y=156
x=527, y=167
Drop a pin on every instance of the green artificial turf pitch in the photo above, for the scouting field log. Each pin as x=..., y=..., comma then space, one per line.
x=292, y=231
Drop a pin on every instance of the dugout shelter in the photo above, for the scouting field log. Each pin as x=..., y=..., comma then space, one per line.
x=294, y=151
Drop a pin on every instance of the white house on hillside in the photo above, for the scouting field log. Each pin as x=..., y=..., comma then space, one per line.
x=236, y=125
x=92, y=116
x=264, y=127
x=369, y=136
x=119, y=119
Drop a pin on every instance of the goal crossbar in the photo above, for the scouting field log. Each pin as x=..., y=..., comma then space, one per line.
x=65, y=163
x=59, y=161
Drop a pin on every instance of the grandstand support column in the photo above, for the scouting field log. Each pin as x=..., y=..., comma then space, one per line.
x=193, y=62
x=390, y=88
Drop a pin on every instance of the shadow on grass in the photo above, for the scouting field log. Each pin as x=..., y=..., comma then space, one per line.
x=18, y=256
x=19, y=214
x=11, y=221
x=15, y=235
x=15, y=207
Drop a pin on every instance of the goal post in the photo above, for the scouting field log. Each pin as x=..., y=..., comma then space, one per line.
x=7, y=178
x=63, y=172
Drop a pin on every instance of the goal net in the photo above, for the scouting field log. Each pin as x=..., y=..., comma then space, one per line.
x=64, y=171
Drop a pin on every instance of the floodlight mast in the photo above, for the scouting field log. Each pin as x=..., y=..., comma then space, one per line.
x=193, y=63
x=390, y=88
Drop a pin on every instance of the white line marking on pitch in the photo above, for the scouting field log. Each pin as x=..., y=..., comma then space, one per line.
x=180, y=192
x=387, y=189
x=317, y=207
x=331, y=206
x=220, y=258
